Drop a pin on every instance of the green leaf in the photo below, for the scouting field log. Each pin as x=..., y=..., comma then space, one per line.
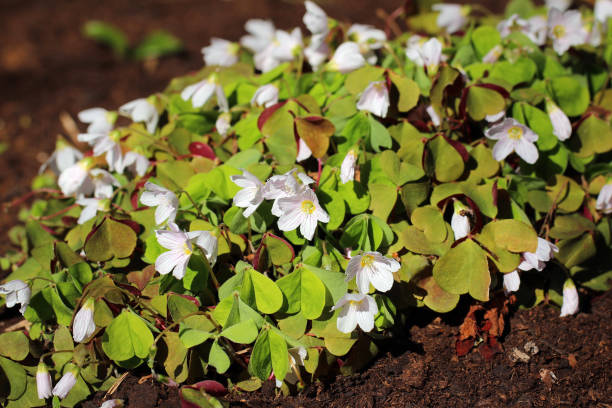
x=448, y=163
x=594, y=136
x=437, y=299
x=111, y=239
x=379, y=135
x=571, y=94
x=575, y=251
x=570, y=226
x=355, y=195
x=279, y=354
x=386, y=198
x=484, y=38
x=483, y=101
x=158, y=44
x=517, y=72
x=357, y=81
x=127, y=337
x=244, y=332
x=176, y=359
x=464, y=269
x=280, y=251
x=16, y=376
x=514, y=236
x=260, y=291
x=14, y=345
x=260, y=363
x=62, y=340
x=108, y=35
x=304, y=292
x=218, y=358
x=408, y=92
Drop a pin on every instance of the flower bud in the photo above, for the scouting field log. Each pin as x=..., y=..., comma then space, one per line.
x=43, y=381
x=68, y=380
x=83, y=325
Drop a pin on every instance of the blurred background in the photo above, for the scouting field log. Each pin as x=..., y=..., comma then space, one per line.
x=49, y=66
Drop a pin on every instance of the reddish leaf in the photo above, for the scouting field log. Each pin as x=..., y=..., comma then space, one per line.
x=214, y=388
x=202, y=149
x=141, y=278
x=189, y=298
x=316, y=132
x=459, y=148
x=134, y=291
x=269, y=111
x=132, y=224
x=462, y=347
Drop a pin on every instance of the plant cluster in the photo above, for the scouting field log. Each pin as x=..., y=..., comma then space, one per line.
x=285, y=209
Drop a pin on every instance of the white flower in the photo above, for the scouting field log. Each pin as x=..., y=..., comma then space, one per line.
x=347, y=168
x=180, y=248
x=356, y=309
x=375, y=99
x=140, y=110
x=562, y=127
x=304, y=151
x=413, y=49
x=594, y=34
x=221, y=52
x=75, y=179
x=114, y=403
x=251, y=195
x=315, y=18
x=374, y=268
x=603, y=10
x=165, y=200
x=43, y=381
x=513, y=136
x=135, y=162
x=604, y=199
x=512, y=282
x=452, y=17
x=368, y=38
x=104, y=141
x=83, y=325
x=512, y=23
x=317, y=51
x=287, y=45
x=301, y=210
x=460, y=222
x=281, y=186
x=496, y=116
x=565, y=29
x=296, y=358
x=347, y=58
x=266, y=95
x=435, y=118
x=261, y=34
x=90, y=207
x=99, y=119
x=544, y=253
x=571, y=301
x=493, y=55
x=561, y=5
x=17, y=291
x=65, y=384
x=224, y=123
x=103, y=183
x=431, y=55
x=201, y=92
x=63, y=157
x=537, y=29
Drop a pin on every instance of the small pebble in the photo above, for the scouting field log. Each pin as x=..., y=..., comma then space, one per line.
x=531, y=348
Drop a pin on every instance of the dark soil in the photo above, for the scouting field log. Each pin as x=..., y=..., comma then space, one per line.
x=47, y=67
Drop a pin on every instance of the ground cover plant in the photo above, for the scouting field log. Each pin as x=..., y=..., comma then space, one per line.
x=406, y=194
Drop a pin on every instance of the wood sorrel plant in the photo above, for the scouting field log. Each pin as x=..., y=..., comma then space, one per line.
x=283, y=209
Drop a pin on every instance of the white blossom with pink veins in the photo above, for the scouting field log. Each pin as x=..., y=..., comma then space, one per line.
x=355, y=309
x=375, y=99
x=565, y=29
x=513, y=136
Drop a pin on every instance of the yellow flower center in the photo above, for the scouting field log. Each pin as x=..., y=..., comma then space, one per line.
x=355, y=302
x=558, y=31
x=367, y=260
x=308, y=207
x=186, y=249
x=515, y=133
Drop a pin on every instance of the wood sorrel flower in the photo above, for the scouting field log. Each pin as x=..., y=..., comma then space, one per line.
x=368, y=38
x=75, y=179
x=103, y=183
x=460, y=221
x=301, y=210
x=165, y=201
x=83, y=325
x=261, y=34
x=374, y=268
x=565, y=29
x=347, y=168
x=114, y=403
x=68, y=380
x=135, y=162
x=90, y=208
x=202, y=91
x=63, y=157
x=266, y=95
x=251, y=195
x=375, y=99
x=512, y=281
x=284, y=185
x=181, y=248
x=315, y=19
x=355, y=309
x=603, y=10
x=104, y=141
x=571, y=300
x=562, y=127
x=99, y=119
x=17, y=292
x=141, y=110
x=513, y=136
x=604, y=199
x=452, y=17
x=221, y=52
x=43, y=381
x=544, y=253
x=346, y=58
